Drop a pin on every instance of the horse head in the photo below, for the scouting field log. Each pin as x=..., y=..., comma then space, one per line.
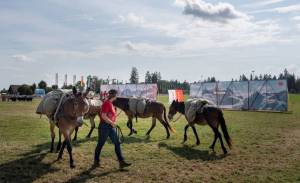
x=78, y=105
x=173, y=109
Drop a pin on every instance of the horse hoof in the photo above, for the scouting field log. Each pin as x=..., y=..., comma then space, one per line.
x=88, y=137
x=59, y=158
x=72, y=166
x=197, y=143
x=225, y=151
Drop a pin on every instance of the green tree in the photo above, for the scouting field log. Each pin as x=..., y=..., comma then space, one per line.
x=78, y=86
x=42, y=85
x=33, y=87
x=25, y=90
x=148, y=78
x=134, y=76
x=54, y=87
x=3, y=91
x=66, y=87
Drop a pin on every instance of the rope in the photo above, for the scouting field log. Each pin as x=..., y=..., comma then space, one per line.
x=118, y=131
x=120, y=134
x=119, y=113
x=59, y=104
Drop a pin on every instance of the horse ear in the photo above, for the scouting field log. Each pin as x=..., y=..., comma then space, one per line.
x=74, y=90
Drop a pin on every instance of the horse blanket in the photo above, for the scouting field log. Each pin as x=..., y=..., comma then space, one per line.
x=192, y=106
x=50, y=102
x=137, y=105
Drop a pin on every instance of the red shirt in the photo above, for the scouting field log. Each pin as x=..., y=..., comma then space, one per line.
x=109, y=109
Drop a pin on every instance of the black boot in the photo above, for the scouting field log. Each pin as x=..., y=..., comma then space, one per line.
x=123, y=164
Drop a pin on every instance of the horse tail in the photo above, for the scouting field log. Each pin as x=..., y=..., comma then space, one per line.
x=224, y=129
x=167, y=122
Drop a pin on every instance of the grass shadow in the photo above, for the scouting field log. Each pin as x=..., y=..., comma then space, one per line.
x=132, y=139
x=28, y=168
x=77, y=143
x=189, y=153
x=86, y=175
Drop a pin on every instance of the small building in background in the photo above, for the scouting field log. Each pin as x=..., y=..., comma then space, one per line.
x=13, y=89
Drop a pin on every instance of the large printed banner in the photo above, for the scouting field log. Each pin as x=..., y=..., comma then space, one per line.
x=270, y=95
x=132, y=90
x=175, y=95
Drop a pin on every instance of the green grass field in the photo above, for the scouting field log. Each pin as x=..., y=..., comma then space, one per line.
x=266, y=149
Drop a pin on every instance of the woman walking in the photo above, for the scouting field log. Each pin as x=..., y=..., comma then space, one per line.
x=107, y=129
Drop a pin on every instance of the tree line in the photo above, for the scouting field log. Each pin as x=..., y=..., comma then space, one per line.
x=155, y=77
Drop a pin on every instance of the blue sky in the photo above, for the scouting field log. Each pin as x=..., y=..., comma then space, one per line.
x=183, y=39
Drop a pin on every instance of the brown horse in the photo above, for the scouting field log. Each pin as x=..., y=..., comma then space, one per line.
x=70, y=110
x=94, y=109
x=154, y=109
x=211, y=116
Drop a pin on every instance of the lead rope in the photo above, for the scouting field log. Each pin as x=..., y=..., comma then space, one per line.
x=57, y=109
x=119, y=113
x=119, y=132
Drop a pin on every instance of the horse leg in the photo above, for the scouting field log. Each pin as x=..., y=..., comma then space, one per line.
x=76, y=131
x=69, y=148
x=185, y=130
x=165, y=125
x=92, y=127
x=129, y=125
x=196, y=134
x=216, y=131
x=212, y=146
x=59, y=141
x=152, y=126
x=52, y=126
x=61, y=150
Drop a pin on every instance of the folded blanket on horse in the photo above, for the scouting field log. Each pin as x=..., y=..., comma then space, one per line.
x=95, y=106
x=192, y=106
x=137, y=105
x=50, y=102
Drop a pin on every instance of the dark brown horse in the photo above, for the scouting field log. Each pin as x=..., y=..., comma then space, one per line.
x=211, y=116
x=70, y=110
x=154, y=109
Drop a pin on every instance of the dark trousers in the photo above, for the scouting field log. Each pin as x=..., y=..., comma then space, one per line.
x=106, y=130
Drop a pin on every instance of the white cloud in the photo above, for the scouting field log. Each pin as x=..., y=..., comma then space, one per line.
x=130, y=46
x=282, y=10
x=263, y=3
x=81, y=17
x=194, y=34
x=296, y=18
x=22, y=58
x=132, y=19
x=288, y=9
x=221, y=12
x=292, y=68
